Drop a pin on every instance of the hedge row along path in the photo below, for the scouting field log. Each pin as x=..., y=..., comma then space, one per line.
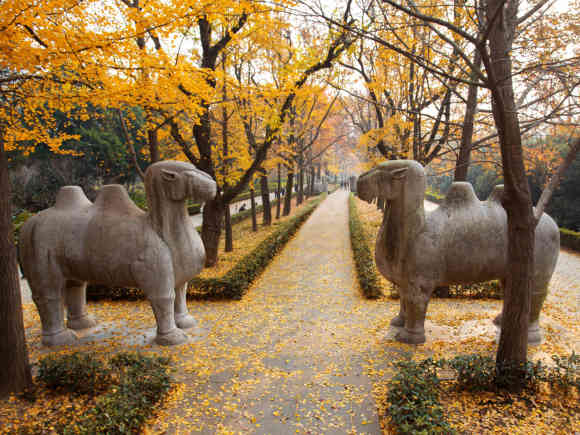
x=304, y=352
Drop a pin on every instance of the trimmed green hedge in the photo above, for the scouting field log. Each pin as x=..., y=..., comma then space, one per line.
x=570, y=239
x=434, y=197
x=236, y=282
x=363, y=259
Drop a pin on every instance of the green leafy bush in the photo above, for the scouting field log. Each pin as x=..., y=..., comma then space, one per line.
x=474, y=372
x=435, y=197
x=566, y=372
x=363, y=259
x=142, y=383
x=17, y=222
x=413, y=392
x=570, y=239
x=76, y=373
x=235, y=283
x=122, y=394
x=413, y=397
x=139, y=198
x=480, y=290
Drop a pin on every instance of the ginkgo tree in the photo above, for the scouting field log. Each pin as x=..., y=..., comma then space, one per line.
x=502, y=23
x=39, y=75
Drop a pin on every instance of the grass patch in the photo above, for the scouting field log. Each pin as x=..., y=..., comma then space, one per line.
x=81, y=394
x=366, y=269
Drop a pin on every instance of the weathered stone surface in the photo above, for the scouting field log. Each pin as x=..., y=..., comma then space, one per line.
x=461, y=242
x=113, y=242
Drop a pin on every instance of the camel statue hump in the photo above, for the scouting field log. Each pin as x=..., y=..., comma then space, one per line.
x=114, y=199
x=496, y=194
x=71, y=198
x=460, y=194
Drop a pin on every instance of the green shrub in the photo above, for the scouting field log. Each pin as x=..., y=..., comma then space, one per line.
x=98, y=292
x=570, y=239
x=481, y=290
x=435, y=197
x=142, y=382
x=139, y=198
x=364, y=261
x=76, y=373
x=566, y=372
x=235, y=283
x=193, y=208
x=17, y=222
x=474, y=372
x=413, y=392
x=413, y=399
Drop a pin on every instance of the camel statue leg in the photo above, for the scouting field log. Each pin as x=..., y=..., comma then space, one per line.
x=161, y=295
x=399, y=319
x=415, y=305
x=47, y=294
x=183, y=319
x=76, y=303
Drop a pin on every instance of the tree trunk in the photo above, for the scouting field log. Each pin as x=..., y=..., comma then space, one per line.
x=213, y=213
x=153, y=140
x=311, y=187
x=279, y=203
x=228, y=229
x=300, y=191
x=15, y=374
x=253, y=205
x=266, y=207
x=462, y=165
x=513, y=342
x=381, y=204
x=288, y=196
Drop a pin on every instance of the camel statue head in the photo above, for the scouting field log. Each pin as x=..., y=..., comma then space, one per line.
x=386, y=180
x=177, y=181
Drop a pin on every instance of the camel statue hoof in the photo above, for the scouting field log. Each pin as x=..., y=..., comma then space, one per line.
x=408, y=337
x=398, y=321
x=85, y=322
x=62, y=338
x=185, y=321
x=176, y=336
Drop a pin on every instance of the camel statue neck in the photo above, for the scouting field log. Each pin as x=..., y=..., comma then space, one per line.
x=404, y=218
x=169, y=218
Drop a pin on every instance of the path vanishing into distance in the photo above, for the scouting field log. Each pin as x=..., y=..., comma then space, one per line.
x=303, y=351
x=293, y=355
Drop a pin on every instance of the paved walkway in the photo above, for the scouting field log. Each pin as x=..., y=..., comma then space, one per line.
x=292, y=355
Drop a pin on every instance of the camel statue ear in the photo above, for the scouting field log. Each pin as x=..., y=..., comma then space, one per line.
x=168, y=175
x=398, y=174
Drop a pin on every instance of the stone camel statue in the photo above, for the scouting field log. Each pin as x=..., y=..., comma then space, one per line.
x=113, y=242
x=463, y=241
